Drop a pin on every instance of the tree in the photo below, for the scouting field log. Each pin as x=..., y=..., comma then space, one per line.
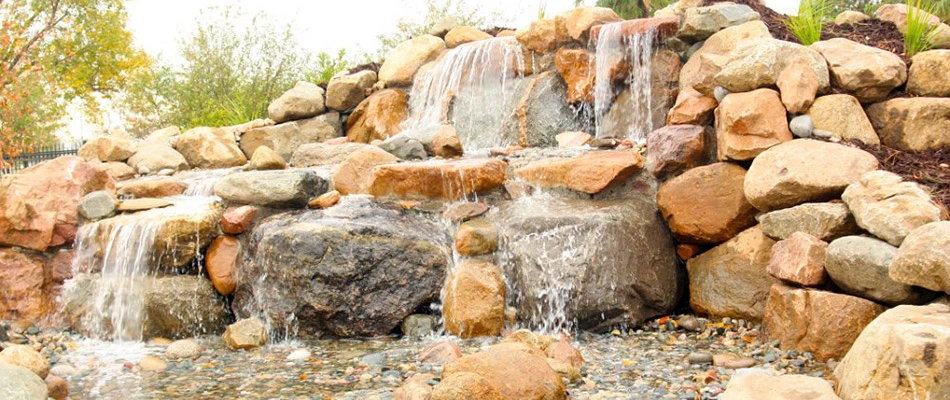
x=53, y=51
x=228, y=75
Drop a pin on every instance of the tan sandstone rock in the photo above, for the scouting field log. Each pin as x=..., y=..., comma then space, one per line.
x=577, y=23
x=706, y=205
x=672, y=150
x=474, y=303
x=210, y=148
x=800, y=259
x=464, y=34
x=402, y=62
x=749, y=123
x=912, y=124
x=758, y=386
x=161, y=187
x=924, y=258
x=246, y=334
x=843, y=116
x=589, y=173
x=354, y=174
x=576, y=67
x=511, y=371
x=888, y=207
x=867, y=72
x=691, y=108
x=475, y=238
x=378, y=117
x=438, y=180
x=928, y=74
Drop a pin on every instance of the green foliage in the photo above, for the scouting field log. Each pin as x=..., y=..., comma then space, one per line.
x=812, y=15
x=228, y=77
x=920, y=30
x=53, y=51
x=328, y=66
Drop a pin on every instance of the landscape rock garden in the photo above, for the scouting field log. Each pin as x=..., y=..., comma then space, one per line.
x=689, y=206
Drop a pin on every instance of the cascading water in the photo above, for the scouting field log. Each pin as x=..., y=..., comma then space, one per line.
x=201, y=183
x=625, y=58
x=121, y=254
x=479, y=78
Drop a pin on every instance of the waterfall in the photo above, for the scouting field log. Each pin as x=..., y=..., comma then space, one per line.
x=473, y=87
x=201, y=183
x=119, y=255
x=628, y=56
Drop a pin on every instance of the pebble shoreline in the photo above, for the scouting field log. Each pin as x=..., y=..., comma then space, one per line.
x=656, y=361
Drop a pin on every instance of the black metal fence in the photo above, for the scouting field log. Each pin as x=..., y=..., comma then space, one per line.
x=26, y=160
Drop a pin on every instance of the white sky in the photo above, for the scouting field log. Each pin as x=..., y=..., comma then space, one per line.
x=325, y=25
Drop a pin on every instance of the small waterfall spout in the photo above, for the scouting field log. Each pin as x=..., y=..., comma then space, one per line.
x=117, y=256
x=201, y=183
x=474, y=87
x=627, y=59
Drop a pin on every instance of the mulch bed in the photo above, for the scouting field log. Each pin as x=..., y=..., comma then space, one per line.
x=924, y=167
x=772, y=18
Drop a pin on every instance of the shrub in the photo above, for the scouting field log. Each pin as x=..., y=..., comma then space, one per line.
x=812, y=15
x=920, y=32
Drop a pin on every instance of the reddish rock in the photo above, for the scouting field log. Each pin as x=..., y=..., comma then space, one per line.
x=236, y=220
x=440, y=353
x=40, y=203
x=222, y=260
x=691, y=108
x=706, y=205
x=450, y=180
x=465, y=211
x=119, y=171
x=576, y=67
x=563, y=351
x=354, y=174
x=799, y=259
x=672, y=150
x=663, y=27
x=474, y=304
x=23, y=286
x=539, y=37
x=511, y=370
x=589, y=173
x=465, y=386
x=326, y=200
x=446, y=143
x=823, y=323
x=57, y=387
x=798, y=84
x=162, y=187
x=749, y=123
x=731, y=280
x=476, y=238
x=61, y=265
x=378, y=117
x=415, y=388
x=576, y=24
x=687, y=251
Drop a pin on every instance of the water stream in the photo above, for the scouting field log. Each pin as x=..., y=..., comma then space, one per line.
x=624, y=58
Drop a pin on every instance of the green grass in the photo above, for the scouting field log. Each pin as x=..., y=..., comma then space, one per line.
x=920, y=33
x=812, y=15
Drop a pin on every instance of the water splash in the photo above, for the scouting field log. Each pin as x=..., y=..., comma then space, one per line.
x=628, y=56
x=201, y=182
x=477, y=80
x=122, y=251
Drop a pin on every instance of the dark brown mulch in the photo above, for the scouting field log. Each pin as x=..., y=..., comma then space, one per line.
x=373, y=66
x=873, y=32
x=923, y=167
x=772, y=18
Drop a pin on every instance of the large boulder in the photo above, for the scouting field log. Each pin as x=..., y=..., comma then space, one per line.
x=749, y=123
x=811, y=320
x=319, y=154
x=540, y=36
x=345, y=92
x=40, y=203
x=826, y=221
x=691, y=108
x=21, y=384
x=304, y=100
x=26, y=291
x=672, y=150
x=752, y=385
x=355, y=270
x=543, y=112
x=859, y=266
x=706, y=205
x=912, y=124
x=589, y=173
x=924, y=258
x=286, y=138
x=555, y=289
x=210, y=148
x=108, y=149
x=354, y=174
x=888, y=207
x=804, y=171
x=171, y=307
x=732, y=280
x=178, y=234
x=474, y=303
x=438, y=180
x=513, y=371
x=402, y=62
x=152, y=157
x=758, y=63
x=843, y=117
x=928, y=73
x=868, y=73
x=700, y=70
x=702, y=22
x=577, y=23
x=464, y=34
x=903, y=354
x=378, y=117
x=898, y=14
x=282, y=188
x=800, y=259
